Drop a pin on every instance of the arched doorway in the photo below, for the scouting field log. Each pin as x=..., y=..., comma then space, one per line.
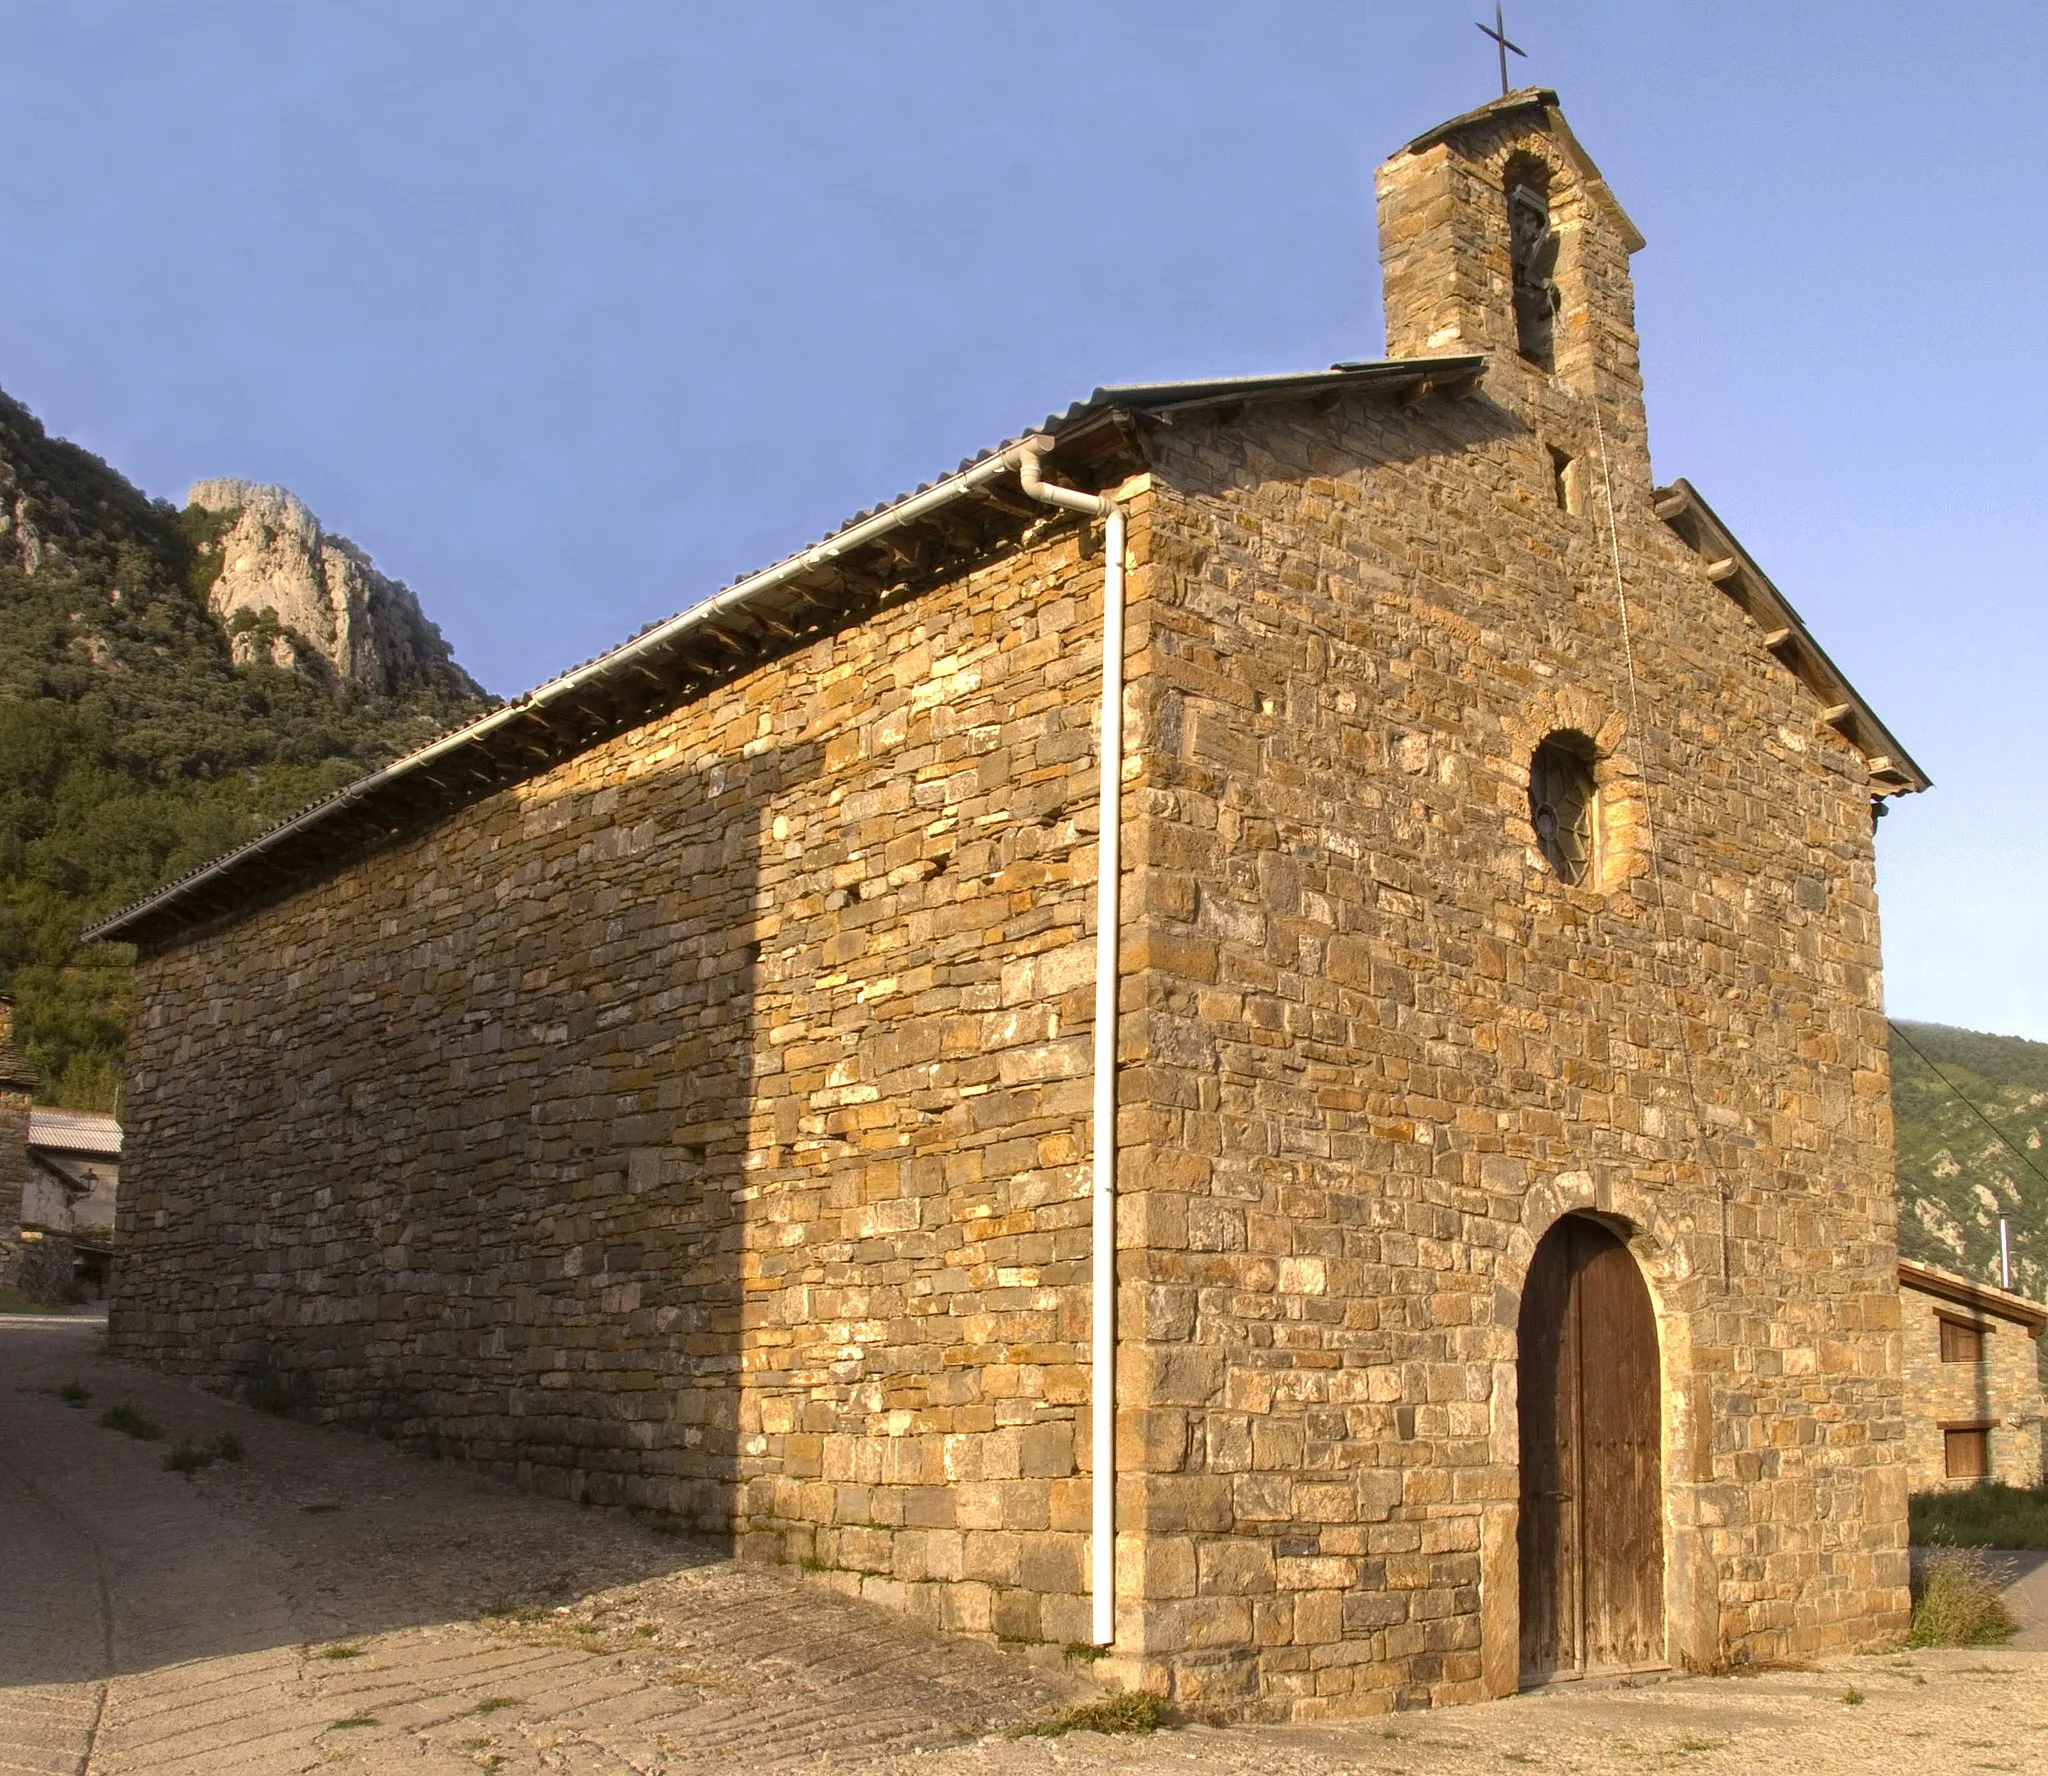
x=1592, y=1519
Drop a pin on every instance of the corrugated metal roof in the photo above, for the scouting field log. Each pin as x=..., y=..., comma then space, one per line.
x=74, y=1131
x=669, y=661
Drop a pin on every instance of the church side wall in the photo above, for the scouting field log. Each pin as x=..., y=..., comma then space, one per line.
x=700, y=1126
x=1382, y=1047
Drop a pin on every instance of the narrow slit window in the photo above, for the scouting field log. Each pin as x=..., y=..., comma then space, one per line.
x=1961, y=1342
x=1966, y=1452
x=1564, y=480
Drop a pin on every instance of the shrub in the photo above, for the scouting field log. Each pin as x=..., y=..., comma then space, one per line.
x=187, y=1459
x=1959, y=1602
x=1132, y=1711
x=130, y=1423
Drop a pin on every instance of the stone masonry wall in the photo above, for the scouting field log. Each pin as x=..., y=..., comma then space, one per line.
x=2004, y=1392
x=700, y=1126
x=1382, y=1047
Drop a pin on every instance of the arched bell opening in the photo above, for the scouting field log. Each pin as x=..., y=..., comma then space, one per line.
x=1591, y=1523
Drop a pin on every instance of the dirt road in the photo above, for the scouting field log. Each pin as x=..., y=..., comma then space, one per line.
x=324, y=1603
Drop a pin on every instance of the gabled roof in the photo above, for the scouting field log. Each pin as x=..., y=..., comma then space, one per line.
x=1945, y=1285
x=90, y=1134
x=873, y=558
x=1730, y=566
x=1542, y=101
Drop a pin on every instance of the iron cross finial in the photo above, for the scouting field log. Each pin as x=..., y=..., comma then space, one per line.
x=1498, y=31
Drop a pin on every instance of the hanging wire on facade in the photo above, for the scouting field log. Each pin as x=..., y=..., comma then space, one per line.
x=1639, y=738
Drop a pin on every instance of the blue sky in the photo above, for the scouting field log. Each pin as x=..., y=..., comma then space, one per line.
x=569, y=314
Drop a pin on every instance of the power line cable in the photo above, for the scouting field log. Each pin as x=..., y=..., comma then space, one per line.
x=1966, y=1103
x=1641, y=741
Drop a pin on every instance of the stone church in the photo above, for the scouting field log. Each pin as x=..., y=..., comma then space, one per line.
x=1433, y=1235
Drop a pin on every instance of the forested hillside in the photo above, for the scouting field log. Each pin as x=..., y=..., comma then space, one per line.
x=1956, y=1176
x=132, y=745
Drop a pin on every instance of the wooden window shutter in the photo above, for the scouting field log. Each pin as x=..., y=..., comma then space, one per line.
x=1966, y=1452
x=1961, y=1342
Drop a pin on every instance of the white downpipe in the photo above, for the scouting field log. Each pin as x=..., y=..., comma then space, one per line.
x=1109, y=870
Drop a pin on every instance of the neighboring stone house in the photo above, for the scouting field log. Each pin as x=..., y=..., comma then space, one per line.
x=23, y=1266
x=1973, y=1381
x=59, y=1172
x=682, y=1087
x=69, y=1201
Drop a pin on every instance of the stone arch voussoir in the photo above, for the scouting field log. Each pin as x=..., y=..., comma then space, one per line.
x=1623, y=850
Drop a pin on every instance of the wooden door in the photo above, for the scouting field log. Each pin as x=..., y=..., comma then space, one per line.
x=1592, y=1520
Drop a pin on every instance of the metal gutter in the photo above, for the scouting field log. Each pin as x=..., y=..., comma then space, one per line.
x=561, y=689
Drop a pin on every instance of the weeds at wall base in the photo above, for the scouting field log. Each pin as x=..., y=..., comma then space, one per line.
x=1957, y=1601
x=1134, y=1711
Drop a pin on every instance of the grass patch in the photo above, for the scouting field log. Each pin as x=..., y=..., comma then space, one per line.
x=1083, y=1652
x=13, y=1301
x=1689, y=1743
x=1958, y=1602
x=187, y=1459
x=1987, y=1515
x=130, y=1423
x=345, y=1650
x=491, y=1704
x=355, y=1720
x=74, y=1393
x=1134, y=1711
x=1852, y=1697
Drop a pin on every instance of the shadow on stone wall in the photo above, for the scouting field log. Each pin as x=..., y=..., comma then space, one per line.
x=507, y=1162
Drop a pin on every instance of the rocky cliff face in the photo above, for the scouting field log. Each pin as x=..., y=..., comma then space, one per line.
x=290, y=593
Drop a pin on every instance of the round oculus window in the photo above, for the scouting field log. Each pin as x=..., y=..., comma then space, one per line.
x=1561, y=796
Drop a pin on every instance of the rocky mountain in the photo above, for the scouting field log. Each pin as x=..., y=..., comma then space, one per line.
x=171, y=681
x=291, y=595
x=1960, y=1171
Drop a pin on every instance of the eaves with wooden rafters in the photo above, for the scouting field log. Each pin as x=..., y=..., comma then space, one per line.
x=1945, y=1285
x=1731, y=567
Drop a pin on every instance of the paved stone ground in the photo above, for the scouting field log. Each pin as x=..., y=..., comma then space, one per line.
x=327, y=1604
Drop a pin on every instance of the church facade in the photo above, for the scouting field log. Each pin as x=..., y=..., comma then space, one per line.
x=681, y=1088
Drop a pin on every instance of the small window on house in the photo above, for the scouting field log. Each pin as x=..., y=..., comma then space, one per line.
x=1966, y=1452
x=1562, y=803
x=1961, y=1342
x=1532, y=252
x=1564, y=480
